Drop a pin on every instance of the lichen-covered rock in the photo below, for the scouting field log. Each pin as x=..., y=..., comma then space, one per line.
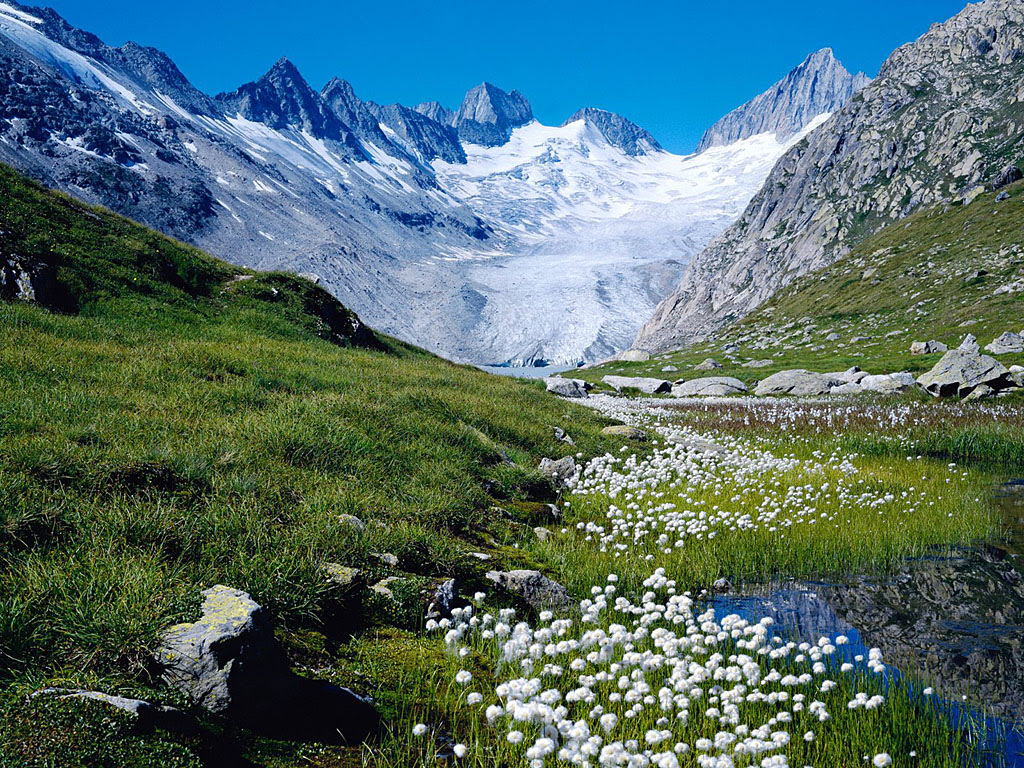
x=711, y=386
x=536, y=589
x=148, y=715
x=566, y=387
x=959, y=372
x=927, y=347
x=560, y=471
x=626, y=431
x=709, y=364
x=796, y=382
x=646, y=385
x=1007, y=344
x=230, y=663
x=888, y=383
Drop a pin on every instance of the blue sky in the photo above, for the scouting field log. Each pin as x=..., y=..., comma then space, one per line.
x=672, y=67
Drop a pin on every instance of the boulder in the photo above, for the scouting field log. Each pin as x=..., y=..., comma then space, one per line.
x=536, y=589
x=854, y=374
x=559, y=471
x=626, y=431
x=566, y=387
x=647, y=386
x=1007, y=344
x=796, y=382
x=230, y=663
x=148, y=715
x=352, y=521
x=888, y=383
x=980, y=392
x=709, y=364
x=635, y=356
x=669, y=369
x=712, y=386
x=969, y=344
x=832, y=337
x=757, y=363
x=849, y=388
x=562, y=436
x=927, y=347
x=959, y=372
x=445, y=598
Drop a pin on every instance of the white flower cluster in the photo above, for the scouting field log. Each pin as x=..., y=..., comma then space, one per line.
x=641, y=684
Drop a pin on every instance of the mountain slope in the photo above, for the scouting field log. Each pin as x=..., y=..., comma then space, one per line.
x=181, y=423
x=939, y=274
x=943, y=121
x=819, y=85
x=444, y=231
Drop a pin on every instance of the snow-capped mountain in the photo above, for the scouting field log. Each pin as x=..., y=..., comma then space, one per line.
x=480, y=233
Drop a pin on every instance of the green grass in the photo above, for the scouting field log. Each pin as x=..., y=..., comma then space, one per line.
x=913, y=279
x=168, y=422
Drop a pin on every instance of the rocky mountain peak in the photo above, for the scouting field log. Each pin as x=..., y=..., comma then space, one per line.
x=940, y=125
x=818, y=85
x=436, y=112
x=488, y=114
x=283, y=99
x=618, y=131
x=353, y=112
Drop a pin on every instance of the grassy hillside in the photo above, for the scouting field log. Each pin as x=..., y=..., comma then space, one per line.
x=168, y=422
x=933, y=276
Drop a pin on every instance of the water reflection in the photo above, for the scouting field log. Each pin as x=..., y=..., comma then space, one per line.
x=957, y=620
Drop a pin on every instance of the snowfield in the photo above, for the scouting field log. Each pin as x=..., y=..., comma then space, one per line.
x=595, y=237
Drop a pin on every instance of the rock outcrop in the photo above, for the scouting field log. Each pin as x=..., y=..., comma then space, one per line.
x=711, y=386
x=618, y=131
x=960, y=371
x=566, y=387
x=229, y=663
x=534, y=588
x=935, y=127
x=645, y=385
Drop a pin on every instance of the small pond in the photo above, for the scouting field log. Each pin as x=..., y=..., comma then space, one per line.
x=955, y=621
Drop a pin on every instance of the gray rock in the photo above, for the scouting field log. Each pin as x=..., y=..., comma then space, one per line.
x=849, y=388
x=1007, y=344
x=711, y=386
x=230, y=663
x=757, y=363
x=562, y=435
x=149, y=715
x=927, y=347
x=722, y=586
x=386, y=558
x=888, y=383
x=796, y=382
x=566, y=387
x=959, y=372
x=669, y=369
x=446, y=597
x=647, y=386
x=833, y=337
x=536, y=589
x=969, y=344
x=709, y=364
x=980, y=392
x=352, y=521
x=488, y=115
x=626, y=431
x=560, y=471
x=859, y=339
x=635, y=356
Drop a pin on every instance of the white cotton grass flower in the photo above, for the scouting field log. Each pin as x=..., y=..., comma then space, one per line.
x=882, y=760
x=419, y=729
x=463, y=677
x=474, y=698
x=460, y=750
